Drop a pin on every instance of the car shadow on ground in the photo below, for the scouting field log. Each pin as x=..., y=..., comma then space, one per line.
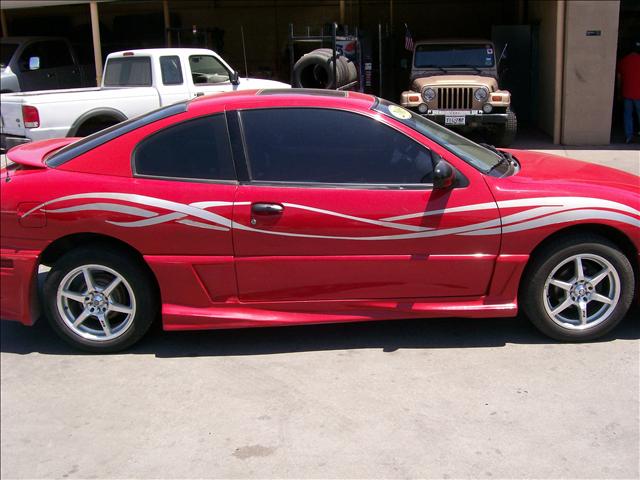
x=389, y=336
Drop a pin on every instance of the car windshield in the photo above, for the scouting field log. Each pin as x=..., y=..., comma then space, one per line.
x=478, y=156
x=447, y=56
x=6, y=52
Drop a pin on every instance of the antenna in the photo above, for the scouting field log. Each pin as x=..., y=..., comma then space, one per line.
x=244, y=53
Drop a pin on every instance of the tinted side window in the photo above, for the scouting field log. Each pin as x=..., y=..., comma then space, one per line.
x=56, y=55
x=128, y=71
x=194, y=149
x=52, y=55
x=331, y=146
x=171, y=70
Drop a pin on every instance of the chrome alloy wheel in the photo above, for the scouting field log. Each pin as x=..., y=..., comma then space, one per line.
x=581, y=292
x=96, y=302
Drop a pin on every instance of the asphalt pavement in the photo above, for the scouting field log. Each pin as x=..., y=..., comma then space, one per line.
x=450, y=398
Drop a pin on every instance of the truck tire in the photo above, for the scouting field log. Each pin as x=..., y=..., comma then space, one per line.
x=315, y=70
x=507, y=134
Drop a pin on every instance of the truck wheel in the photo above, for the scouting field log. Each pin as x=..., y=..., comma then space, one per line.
x=507, y=134
x=99, y=299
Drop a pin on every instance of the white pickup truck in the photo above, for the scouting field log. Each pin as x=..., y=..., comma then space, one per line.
x=134, y=82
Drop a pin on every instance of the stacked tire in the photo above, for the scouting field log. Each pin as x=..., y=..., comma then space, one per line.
x=315, y=70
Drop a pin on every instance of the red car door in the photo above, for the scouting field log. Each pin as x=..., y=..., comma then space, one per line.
x=340, y=206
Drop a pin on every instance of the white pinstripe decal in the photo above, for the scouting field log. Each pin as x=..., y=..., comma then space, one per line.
x=540, y=212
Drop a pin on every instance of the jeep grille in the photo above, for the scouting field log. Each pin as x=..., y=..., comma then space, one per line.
x=460, y=98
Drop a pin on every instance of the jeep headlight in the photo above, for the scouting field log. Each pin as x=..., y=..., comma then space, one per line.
x=428, y=94
x=481, y=94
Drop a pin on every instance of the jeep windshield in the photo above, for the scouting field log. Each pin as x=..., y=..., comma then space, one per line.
x=451, y=56
x=482, y=158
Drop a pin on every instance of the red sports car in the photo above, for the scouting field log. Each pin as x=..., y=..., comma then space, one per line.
x=296, y=207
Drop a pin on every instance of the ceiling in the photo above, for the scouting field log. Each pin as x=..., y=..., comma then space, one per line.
x=13, y=4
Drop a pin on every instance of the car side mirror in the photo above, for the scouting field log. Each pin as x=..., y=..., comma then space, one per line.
x=234, y=78
x=34, y=63
x=443, y=175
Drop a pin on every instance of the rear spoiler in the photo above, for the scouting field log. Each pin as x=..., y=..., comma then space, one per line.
x=34, y=154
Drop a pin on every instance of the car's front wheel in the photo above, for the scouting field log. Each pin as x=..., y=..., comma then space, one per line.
x=99, y=299
x=578, y=289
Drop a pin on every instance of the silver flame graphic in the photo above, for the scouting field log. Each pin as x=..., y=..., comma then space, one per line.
x=540, y=212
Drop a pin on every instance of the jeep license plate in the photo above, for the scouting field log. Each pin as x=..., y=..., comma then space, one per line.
x=454, y=120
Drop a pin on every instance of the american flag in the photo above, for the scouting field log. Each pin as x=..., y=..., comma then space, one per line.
x=408, y=39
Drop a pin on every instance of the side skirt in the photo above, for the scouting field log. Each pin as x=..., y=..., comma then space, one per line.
x=245, y=315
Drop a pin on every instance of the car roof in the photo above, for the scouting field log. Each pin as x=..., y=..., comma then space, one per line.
x=286, y=97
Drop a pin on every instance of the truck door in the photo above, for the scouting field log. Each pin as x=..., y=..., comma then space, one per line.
x=30, y=77
x=170, y=80
x=60, y=63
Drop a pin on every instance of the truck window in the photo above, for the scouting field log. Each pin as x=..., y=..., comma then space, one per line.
x=171, y=70
x=128, y=72
x=207, y=70
x=53, y=54
x=6, y=52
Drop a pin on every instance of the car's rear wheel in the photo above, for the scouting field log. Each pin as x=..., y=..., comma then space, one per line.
x=99, y=299
x=578, y=289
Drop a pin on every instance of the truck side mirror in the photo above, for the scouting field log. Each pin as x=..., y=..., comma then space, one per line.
x=443, y=175
x=234, y=78
x=34, y=63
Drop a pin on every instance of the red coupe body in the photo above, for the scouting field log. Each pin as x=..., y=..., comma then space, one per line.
x=245, y=252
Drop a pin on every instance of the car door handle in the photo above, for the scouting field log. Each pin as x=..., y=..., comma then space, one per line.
x=198, y=94
x=267, y=208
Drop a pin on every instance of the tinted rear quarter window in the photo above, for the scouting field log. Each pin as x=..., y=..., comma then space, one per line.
x=331, y=146
x=195, y=149
x=128, y=71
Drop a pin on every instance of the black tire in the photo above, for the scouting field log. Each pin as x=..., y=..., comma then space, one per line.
x=507, y=133
x=315, y=70
x=533, y=297
x=138, y=283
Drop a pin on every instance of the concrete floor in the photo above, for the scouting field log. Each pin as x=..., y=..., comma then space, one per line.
x=436, y=398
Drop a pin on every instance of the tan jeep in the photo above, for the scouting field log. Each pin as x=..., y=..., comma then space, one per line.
x=455, y=83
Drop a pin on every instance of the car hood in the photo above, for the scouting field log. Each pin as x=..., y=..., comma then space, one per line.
x=447, y=80
x=544, y=172
x=550, y=190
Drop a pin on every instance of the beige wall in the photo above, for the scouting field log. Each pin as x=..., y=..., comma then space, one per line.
x=545, y=13
x=589, y=72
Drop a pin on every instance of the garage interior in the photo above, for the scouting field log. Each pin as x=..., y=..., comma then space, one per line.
x=560, y=55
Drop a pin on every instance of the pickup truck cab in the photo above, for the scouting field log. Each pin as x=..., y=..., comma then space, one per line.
x=41, y=63
x=134, y=82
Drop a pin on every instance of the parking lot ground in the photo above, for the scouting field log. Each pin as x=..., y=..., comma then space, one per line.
x=444, y=398
x=450, y=398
